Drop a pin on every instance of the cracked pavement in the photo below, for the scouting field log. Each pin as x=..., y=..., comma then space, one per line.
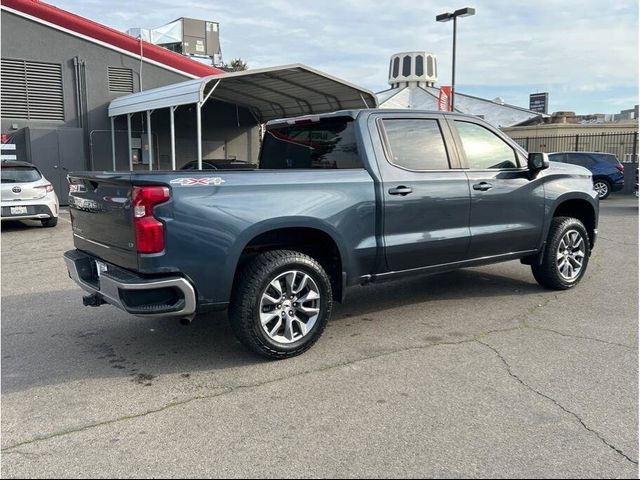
x=472, y=373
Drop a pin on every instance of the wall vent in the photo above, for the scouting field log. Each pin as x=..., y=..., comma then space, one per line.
x=120, y=79
x=32, y=90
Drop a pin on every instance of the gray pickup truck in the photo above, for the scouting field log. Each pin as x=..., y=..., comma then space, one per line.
x=339, y=199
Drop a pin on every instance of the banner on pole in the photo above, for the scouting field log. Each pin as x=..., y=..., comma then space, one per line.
x=444, y=100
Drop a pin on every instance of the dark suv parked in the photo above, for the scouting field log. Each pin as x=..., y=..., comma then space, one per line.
x=608, y=172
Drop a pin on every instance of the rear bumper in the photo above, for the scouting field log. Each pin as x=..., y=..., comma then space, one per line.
x=34, y=212
x=616, y=187
x=137, y=295
x=38, y=209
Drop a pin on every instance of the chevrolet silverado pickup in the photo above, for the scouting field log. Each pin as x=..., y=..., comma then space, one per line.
x=336, y=200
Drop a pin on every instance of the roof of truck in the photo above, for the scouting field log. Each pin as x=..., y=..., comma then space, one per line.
x=353, y=113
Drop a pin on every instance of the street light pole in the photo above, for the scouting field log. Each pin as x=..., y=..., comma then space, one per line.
x=445, y=17
x=453, y=67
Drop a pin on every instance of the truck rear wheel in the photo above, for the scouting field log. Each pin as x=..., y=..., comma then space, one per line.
x=566, y=255
x=280, y=304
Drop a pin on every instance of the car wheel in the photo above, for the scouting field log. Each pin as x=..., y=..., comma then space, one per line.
x=280, y=304
x=566, y=255
x=602, y=187
x=50, y=222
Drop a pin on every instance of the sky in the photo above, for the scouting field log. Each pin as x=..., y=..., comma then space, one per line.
x=583, y=52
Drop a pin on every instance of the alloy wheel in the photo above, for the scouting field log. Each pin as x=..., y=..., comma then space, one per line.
x=290, y=307
x=571, y=255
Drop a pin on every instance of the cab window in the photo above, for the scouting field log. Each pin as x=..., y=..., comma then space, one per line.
x=416, y=144
x=484, y=149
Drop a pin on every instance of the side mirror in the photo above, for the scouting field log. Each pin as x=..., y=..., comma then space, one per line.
x=538, y=161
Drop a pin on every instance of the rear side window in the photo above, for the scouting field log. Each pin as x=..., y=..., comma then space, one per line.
x=484, y=149
x=557, y=157
x=606, y=157
x=20, y=174
x=580, y=159
x=416, y=144
x=327, y=144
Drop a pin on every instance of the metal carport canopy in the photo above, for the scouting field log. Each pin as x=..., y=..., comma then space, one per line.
x=269, y=93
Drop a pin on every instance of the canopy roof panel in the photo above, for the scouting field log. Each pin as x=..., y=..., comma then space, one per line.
x=270, y=93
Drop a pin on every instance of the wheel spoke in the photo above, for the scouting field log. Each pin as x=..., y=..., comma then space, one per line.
x=267, y=317
x=269, y=299
x=311, y=295
x=301, y=325
x=574, y=263
x=568, y=269
x=290, y=279
x=276, y=284
x=578, y=243
x=288, y=329
x=309, y=310
x=303, y=284
x=277, y=327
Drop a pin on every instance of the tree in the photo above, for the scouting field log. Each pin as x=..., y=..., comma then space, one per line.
x=236, y=65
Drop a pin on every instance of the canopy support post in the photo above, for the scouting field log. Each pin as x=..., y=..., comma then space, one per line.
x=149, y=139
x=113, y=143
x=172, y=109
x=129, y=141
x=199, y=133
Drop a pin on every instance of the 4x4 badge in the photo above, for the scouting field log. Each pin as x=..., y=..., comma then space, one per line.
x=190, y=182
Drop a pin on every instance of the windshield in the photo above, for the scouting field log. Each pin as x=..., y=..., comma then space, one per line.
x=20, y=174
x=329, y=143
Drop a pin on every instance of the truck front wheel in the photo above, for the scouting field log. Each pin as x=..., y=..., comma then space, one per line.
x=566, y=255
x=280, y=304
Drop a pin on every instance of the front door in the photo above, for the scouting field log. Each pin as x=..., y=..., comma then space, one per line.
x=426, y=201
x=507, y=204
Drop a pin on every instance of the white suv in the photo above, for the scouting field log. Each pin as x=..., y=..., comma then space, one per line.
x=27, y=195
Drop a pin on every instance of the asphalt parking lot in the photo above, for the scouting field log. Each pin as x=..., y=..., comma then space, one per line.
x=472, y=373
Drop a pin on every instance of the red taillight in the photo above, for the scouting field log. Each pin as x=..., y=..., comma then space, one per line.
x=620, y=167
x=48, y=186
x=149, y=231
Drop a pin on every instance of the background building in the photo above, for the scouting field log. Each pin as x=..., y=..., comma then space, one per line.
x=60, y=71
x=413, y=77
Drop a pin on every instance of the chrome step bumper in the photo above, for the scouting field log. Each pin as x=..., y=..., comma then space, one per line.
x=137, y=295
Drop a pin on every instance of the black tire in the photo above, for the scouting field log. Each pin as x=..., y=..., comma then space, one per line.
x=547, y=273
x=605, y=189
x=50, y=222
x=244, y=310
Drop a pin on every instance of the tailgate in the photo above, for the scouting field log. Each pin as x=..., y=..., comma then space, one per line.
x=101, y=217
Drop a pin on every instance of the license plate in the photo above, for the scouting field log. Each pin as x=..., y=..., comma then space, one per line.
x=100, y=268
x=18, y=210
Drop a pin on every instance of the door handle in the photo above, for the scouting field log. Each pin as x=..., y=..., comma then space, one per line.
x=482, y=186
x=401, y=190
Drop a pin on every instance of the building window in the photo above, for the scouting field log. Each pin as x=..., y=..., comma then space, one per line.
x=32, y=90
x=419, y=65
x=406, y=66
x=396, y=67
x=120, y=79
x=430, y=71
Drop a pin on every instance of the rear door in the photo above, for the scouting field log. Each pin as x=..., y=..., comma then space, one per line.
x=425, y=194
x=507, y=204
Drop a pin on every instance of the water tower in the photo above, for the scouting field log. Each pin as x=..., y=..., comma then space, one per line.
x=409, y=69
